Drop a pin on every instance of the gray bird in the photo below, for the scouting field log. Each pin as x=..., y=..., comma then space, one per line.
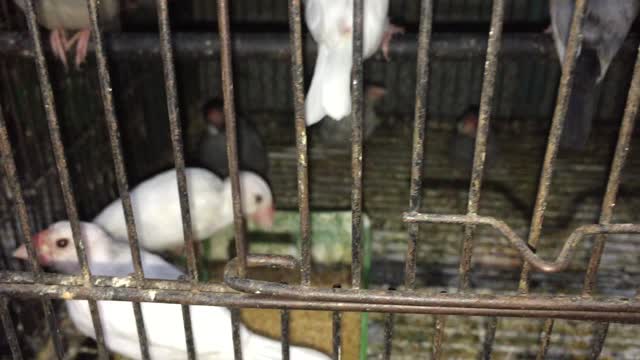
x=60, y=16
x=462, y=144
x=338, y=133
x=212, y=150
x=605, y=26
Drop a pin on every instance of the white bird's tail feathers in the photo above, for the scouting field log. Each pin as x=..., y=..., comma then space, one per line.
x=330, y=91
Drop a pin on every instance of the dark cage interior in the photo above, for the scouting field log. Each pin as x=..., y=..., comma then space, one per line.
x=496, y=256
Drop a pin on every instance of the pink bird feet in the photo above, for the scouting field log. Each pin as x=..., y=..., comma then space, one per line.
x=60, y=45
x=389, y=33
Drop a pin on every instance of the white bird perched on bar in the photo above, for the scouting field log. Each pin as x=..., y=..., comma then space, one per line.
x=212, y=333
x=156, y=207
x=331, y=25
x=605, y=26
x=60, y=16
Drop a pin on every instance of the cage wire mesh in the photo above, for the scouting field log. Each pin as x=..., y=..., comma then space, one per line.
x=48, y=173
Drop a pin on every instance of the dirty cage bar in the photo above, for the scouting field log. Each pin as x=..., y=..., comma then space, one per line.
x=239, y=291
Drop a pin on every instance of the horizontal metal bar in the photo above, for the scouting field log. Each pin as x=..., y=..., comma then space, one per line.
x=412, y=298
x=552, y=307
x=566, y=253
x=20, y=277
x=277, y=45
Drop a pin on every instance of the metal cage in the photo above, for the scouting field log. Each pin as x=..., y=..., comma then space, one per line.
x=239, y=291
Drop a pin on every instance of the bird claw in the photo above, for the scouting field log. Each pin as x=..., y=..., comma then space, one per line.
x=82, y=37
x=391, y=31
x=58, y=40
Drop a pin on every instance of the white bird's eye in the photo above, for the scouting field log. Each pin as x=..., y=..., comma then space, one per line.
x=62, y=243
x=258, y=199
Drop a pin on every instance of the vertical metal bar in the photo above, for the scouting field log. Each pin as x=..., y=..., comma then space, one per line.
x=337, y=330
x=10, y=329
x=56, y=140
x=140, y=328
x=598, y=338
x=235, y=326
x=178, y=156
x=176, y=134
x=438, y=339
x=489, y=338
x=118, y=162
x=422, y=81
x=609, y=201
x=95, y=317
x=297, y=76
x=232, y=139
x=356, y=145
x=486, y=99
x=388, y=335
x=545, y=339
x=284, y=328
x=188, y=332
x=54, y=329
x=559, y=115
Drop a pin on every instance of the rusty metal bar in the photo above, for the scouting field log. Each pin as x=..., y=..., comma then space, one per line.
x=570, y=308
x=545, y=339
x=276, y=46
x=54, y=329
x=188, y=332
x=559, y=115
x=297, y=76
x=284, y=330
x=336, y=331
x=489, y=338
x=422, y=82
x=237, y=340
x=9, y=329
x=176, y=134
x=23, y=219
x=407, y=297
x=99, y=332
x=388, y=336
x=232, y=139
x=613, y=183
x=108, y=281
x=438, y=338
x=178, y=156
x=599, y=337
x=566, y=252
x=65, y=181
x=356, y=144
x=480, y=149
x=118, y=162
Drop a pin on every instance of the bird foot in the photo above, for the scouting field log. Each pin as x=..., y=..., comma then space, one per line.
x=391, y=31
x=58, y=40
x=82, y=38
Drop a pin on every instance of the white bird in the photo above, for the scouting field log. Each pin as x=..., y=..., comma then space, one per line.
x=330, y=23
x=163, y=322
x=60, y=16
x=156, y=207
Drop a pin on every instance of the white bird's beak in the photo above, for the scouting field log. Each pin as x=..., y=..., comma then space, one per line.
x=264, y=217
x=21, y=253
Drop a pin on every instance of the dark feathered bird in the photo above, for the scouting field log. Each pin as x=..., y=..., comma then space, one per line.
x=462, y=144
x=338, y=133
x=212, y=150
x=605, y=26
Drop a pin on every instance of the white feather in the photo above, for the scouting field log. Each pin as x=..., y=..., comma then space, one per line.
x=330, y=23
x=163, y=322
